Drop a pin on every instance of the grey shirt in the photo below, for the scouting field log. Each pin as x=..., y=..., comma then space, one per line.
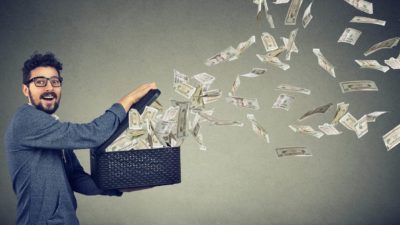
x=43, y=168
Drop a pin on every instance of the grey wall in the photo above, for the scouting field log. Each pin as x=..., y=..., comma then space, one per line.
x=108, y=48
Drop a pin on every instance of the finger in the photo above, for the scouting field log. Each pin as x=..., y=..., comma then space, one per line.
x=142, y=92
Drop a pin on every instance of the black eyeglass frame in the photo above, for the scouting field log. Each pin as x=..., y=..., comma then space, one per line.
x=47, y=79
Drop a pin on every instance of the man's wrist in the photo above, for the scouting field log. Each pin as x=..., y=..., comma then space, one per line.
x=126, y=102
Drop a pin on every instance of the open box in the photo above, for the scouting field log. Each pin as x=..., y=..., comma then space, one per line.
x=135, y=168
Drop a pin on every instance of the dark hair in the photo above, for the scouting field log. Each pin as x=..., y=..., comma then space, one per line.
x=37, y=60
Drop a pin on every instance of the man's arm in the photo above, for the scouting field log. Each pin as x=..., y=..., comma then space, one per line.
x=36, y=129
x=128, y=100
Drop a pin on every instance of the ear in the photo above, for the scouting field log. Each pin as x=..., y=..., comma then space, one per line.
x=25, y=90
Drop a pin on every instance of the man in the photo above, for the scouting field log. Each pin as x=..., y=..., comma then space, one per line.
x=39, y=148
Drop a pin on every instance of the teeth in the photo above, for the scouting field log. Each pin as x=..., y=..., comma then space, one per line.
x=48, y=97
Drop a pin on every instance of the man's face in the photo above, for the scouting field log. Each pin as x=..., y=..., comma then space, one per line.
x=45, y=98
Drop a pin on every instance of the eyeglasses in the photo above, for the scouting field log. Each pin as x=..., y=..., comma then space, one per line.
x=42, y=81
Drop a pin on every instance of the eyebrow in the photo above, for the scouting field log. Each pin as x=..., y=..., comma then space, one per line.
x=41, y=76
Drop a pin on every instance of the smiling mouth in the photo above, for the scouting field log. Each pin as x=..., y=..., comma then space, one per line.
x=48, y=97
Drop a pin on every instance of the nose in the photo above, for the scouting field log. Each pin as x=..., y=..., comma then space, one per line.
x=48, y=86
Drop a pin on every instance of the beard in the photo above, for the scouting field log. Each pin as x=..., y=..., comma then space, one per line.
x=39, y=105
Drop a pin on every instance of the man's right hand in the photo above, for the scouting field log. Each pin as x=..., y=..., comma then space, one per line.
x=128, y=100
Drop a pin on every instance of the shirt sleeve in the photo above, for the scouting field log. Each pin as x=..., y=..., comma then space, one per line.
x=37, y=129
x=80, y=181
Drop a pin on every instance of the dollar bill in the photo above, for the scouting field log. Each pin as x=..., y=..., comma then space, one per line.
x=198, y=137
x=204, y=78
x=286, y=42
x=205, y=87
x=350, y=36
x=182, y=117
x=229, y=54
x=274, y=61
x=174, y=141
x=259, y=8
x=358, y=85
x=292, y=37
x=392, y=138
x=260, y=3
x=324, y=63
x=249, y=75
x=196, y=99
x=142, y=144
x=149, y=113
x=184, y=89
x=320, y=109
x=150, y=133
x=371, y=117
x=235, y=86
x=394, y=63
x=372, y=64
x=134, y=120
x=243, y=46
x=157, y=104
x=228, y=123
x=179, y=78
x=157, y=141
x=250, y=103
x=329, y=129
x=362, y=5
x=119, y=139
x=308, y=130
x=307, y=16
x=257, y=128
x=258, y=71
x=293, y=11
x=268, y=41
x=122, y=143
x=389, y=43
x=255, y=72
x=292, y=151
x=195, y=120
x=211, y=96
x=212, y=93
x=290, y=88
x=362, y=19
x=163, y=127
x=348, y=121
x=341, y=109
x=280, y=1
x=268, y=16
x=208, y=100
x=132, y=134
x=273, y=53
x=170, y=113
x=215, y=121
x=270, y=20
x=199, y=118
x=361, y=126
x=283, y=102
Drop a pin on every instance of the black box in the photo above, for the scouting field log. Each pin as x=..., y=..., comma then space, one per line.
x=135, y=168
